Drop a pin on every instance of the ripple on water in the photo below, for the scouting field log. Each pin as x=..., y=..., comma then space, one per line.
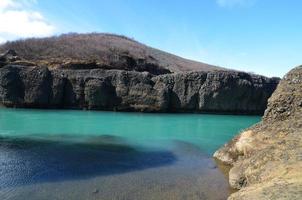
x=106, y=168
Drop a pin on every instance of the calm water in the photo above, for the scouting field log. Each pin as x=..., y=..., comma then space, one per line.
x=59, y=154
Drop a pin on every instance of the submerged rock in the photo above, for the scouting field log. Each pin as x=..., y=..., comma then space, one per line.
x=266, y=159
x=219, y=91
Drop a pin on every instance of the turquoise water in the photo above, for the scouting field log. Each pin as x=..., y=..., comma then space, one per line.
x=208, y=132
x=65, y=154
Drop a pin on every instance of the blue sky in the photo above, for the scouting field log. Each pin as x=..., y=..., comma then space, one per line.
x=261, y=36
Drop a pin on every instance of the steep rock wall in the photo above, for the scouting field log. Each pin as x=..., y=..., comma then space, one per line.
x=219, y=91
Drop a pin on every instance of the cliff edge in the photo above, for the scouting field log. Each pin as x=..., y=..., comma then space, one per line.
x=266, y=159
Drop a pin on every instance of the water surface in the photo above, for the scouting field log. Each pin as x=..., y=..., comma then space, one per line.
x=63, y=154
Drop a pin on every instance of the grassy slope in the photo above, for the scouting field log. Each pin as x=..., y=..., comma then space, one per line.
x=99, y=47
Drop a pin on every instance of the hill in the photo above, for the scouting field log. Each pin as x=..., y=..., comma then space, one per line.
x=101, y=50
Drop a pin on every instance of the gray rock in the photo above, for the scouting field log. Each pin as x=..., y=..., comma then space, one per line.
x=7, y=57
x=219, y=92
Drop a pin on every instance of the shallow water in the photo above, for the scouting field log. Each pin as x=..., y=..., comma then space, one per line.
x=59, y=154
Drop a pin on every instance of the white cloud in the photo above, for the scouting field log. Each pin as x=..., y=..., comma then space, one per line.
x=234, y=3
x=18, y=20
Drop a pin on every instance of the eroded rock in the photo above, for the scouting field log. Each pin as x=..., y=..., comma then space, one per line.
x=266, y=159
x=219, y=92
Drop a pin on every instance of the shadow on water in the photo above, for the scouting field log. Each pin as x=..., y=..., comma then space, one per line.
x=36, y=160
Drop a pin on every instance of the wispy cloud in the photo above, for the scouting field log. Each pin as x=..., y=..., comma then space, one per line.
x=18, y=20
x=235, y=3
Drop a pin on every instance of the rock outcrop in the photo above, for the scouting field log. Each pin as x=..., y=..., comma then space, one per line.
x=266, y=159
x=217, y=91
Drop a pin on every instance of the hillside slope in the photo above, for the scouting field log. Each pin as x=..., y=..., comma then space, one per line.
x=103, y=51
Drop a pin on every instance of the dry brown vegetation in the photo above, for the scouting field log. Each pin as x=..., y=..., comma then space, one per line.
x=100, y=48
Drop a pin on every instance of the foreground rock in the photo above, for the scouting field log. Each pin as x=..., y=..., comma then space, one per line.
x=217, y=91
x=266, y=159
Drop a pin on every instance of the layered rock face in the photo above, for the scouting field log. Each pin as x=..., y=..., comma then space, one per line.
x=266, y=159
x=217, y=91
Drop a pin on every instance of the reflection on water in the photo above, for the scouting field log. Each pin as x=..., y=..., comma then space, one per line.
x=104, y=155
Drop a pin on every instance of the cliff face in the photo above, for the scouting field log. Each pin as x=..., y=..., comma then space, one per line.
x=266, y=159
x=218, y=91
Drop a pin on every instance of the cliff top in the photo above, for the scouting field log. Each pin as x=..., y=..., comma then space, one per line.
x=109, y=50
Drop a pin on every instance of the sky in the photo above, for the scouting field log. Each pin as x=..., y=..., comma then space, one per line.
x=259, y=36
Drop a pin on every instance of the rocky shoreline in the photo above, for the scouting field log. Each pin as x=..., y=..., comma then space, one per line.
x=266, y=159
x=120, y=90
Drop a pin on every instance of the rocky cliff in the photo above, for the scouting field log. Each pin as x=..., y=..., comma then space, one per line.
x=110, y=72
x=266, y=159
x=218, y=91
